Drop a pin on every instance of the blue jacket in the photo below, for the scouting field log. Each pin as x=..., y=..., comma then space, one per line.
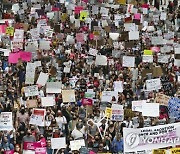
x=117, y=146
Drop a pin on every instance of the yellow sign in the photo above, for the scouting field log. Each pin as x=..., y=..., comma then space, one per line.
x=10, y=31
x=83, y=15
x=108, y=112
x=159, y=151
x=175, y=151
x=148, y=52
x=122, y=2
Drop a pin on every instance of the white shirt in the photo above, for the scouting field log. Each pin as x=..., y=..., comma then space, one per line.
x=60, y=121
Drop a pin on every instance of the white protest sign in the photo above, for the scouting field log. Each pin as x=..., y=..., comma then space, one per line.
x=37, y=117
x=6, y=122
x=147, y=58
x=133, y=35
x=118, y=86
x=68, y=96
x=153, y=84
x=43, y=77
x=163, y=16
x=53, y=87
x=149, y=138
x=114, y=36
x=5, y=51
x=58, y=143
x=177, y=50
x=150, y=109
x=47, y=101
x=93, y=52
x=44, y=45
x=137, y=105
x=101, y=60
x=163, y=58
x=107, y=96
x=128, y=61
x=117, y=112
x=18, y=35
x=31, y=91
x=130, y=26
x=30, y=72
x=77, y=144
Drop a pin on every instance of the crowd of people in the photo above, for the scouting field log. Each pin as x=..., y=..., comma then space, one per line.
x=83, y=45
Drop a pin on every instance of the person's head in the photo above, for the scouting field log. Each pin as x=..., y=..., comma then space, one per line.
x=5, y=139
x=22, y=110
x=29, y=132
x=59, y=113
x=118, y=136
x=17, y=148
x=48, y=143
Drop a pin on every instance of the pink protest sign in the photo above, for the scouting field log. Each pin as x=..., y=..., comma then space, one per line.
x=3, y=29
x=55, y=9
x=43, y=142
x=13, y=58
x=25, y=56
x=155, y=49
x=40, y=150
x=9, y=152
x=80, y=37
x=87, y=101
x=137, y=16
x=91, y=36
x=78, y=9
x=31, y=145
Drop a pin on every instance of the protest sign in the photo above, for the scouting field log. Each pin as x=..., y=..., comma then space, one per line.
x=37, y=117
x=159, y=151
x=44, y=45
x=150, y=109
x=9, y=152
x=137, y=105
x=162, y=99
x=87, y=101
x=147, y=59
x=30, y=73
x=173, y=108
x=31, y=145
x=43, y=77
x=107, y=96
x=118, y=86
x=6, y=122
x=68, y=96
x=153, y=84
x=133, y=35
x=41, y=150
x=18, y=35
x=53, y=87
x=150, y=138
x=128, y=61
x=47, y=101
x=117, y=112
x=58, y=143
x=148, y=52
x=101, y=60
x=10, y=31
x=108, y=112
x=5, y=51
x=31, y=103
x=174, y=150
x=31, y=91
x=76, y=144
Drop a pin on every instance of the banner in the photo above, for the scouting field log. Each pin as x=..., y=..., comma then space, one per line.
x=174, y=108
x=117, y=112
x=150, y=138
x=6, y=122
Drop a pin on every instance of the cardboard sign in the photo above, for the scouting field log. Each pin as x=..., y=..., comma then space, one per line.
x=31, y=103
x=68, y=96
x=162, y=99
